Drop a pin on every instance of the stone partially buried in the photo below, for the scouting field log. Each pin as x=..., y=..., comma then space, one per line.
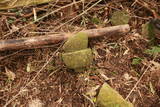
x=108, y=97
x=77, y=42
x=78, y=59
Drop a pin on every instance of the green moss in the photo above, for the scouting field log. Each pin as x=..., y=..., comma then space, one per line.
x=77, y=42
x=108, y=97
x=136, y=60
x=119, y=18
x=148, y=31
x=78, y=59
x=153, y=51
x=96, y=21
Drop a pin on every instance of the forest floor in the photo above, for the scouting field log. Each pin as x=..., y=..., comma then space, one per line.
x=38, y=76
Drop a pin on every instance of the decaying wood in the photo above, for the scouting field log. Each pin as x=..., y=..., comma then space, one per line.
x=33, y=42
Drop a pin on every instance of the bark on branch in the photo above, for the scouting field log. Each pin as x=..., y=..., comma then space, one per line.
x=33, y=42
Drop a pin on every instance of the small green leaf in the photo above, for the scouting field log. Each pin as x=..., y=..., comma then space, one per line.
x=136, y=61
x=10, y=21
x=24, y=19
x=13, y=10
x=153, y=51
x=18, y=13
x=96, y=20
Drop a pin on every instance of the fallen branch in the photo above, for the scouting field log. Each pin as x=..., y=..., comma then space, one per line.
x=33, y=42
x=151, y=8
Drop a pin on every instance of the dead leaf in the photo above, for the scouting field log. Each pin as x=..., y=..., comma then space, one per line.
x=29, y=68
x=127, y=76
x=93, y=91
x=35, y=103
x=151, y=88
x=11, y=75
x=14, y=28
x=156, y=66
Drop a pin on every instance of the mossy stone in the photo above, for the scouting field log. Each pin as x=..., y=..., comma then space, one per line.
x=148, y=31
x=108, y=97
x=78, y=59
x=120, y=18
x=151, y=30
x=76, y=42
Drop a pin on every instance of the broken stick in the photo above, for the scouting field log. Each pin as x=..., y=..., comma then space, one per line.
x=33, y=42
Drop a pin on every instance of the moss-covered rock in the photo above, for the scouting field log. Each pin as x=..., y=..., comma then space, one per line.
x=108, y=97
x=76, y=42
x=151, y=30
x=76, y=54
x=78, y=59
x=119, y=18
x=148, y=31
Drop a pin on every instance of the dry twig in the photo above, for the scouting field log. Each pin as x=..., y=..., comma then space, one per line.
x=146, y=70
x=147, y=6
x=33, y=42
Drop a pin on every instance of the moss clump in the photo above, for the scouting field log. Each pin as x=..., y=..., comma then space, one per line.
x=153, y=51
x=108, y=97
x=76, y=42
x=148, y=32
x=119, y=18
x=78, y=59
